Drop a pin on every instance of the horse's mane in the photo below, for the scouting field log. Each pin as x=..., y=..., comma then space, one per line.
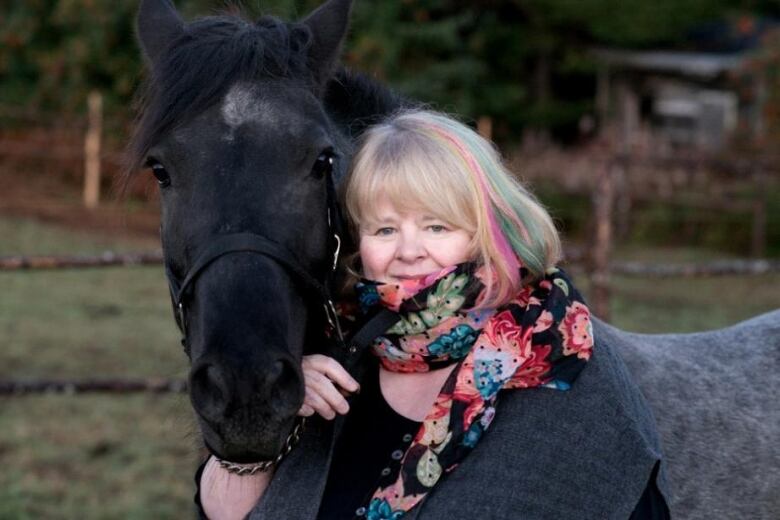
x=212, y=54
x=356, y=101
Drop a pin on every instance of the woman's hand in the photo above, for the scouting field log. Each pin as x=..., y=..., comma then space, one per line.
x=326, y=384
x=227, y=496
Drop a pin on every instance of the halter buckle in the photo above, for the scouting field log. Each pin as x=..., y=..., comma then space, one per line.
x=337, y=251
x=182, y=325
x=333, y=319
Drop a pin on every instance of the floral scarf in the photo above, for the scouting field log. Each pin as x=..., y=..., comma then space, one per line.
x=543, y=337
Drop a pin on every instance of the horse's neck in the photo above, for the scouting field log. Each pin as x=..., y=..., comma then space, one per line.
x=355, y=101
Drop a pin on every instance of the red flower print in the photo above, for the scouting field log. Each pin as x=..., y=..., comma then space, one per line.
x=472, y=410
x=393, y=295
x=502, y=331
x=465, y=387
x=577, y=331
x=466, y=390
x=534, y=369
x=522, y=297
x=414, y=364
x=544, y=322
x=397, y=360
x=441, y=407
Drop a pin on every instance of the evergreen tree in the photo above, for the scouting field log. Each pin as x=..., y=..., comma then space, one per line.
x=525, y=63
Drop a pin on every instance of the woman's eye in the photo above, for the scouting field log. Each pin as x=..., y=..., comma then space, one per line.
x=437, y=228
x=160, y=173
x=385, y=231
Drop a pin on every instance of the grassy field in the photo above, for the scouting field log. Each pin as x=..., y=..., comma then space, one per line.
x=98, y=457
x=94, y=456
x=686, y=304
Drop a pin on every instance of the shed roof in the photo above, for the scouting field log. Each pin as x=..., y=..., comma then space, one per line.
x=703, y=66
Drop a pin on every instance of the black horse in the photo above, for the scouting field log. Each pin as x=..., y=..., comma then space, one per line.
x=248, y=128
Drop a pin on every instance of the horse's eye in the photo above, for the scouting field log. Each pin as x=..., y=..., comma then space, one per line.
x=324, y=164
x=159, y=172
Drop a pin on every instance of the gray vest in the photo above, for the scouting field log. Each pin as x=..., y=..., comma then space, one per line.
x=582, y=454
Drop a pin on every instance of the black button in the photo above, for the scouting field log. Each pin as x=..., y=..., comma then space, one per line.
x=407, y=437
x=360, y=511
x=397, y=455
x=385, y=472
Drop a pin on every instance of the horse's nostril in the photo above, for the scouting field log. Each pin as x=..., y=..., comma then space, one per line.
x=275, y=371
x=209, y=391
x=282, y=375
x=286, y=390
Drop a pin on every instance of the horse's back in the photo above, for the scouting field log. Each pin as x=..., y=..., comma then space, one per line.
x=714, y=396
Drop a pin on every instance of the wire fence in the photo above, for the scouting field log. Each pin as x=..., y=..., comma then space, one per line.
x=87, y=386
x=725, y=267
x=613, y=181
x=17, y=388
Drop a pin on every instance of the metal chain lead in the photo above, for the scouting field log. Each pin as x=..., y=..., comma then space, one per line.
x=265, y=465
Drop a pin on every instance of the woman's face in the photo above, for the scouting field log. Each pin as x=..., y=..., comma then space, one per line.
x=397, y=246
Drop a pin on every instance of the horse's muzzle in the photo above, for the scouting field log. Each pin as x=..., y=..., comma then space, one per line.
x=246, y=413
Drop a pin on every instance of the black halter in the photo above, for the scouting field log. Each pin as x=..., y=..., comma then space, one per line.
x=253, y=243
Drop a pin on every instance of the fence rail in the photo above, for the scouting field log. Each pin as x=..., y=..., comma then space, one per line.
x=165, y=386
x=738, y=267
x=724, y=267
x=84, y=386
x=106, y=259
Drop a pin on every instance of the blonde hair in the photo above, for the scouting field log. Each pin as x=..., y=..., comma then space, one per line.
x=421, y=159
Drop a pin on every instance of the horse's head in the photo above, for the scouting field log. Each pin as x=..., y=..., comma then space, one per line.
x=233, y=126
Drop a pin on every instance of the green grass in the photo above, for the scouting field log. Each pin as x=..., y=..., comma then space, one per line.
x=103, y=322
x=95, y=456
x=686, y=304
x=689, y=305
x=25, y=236
x=133, y=456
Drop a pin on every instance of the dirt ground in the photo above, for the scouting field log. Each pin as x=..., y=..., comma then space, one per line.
x=56, y=199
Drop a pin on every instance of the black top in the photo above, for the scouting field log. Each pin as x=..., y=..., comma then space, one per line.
x=371, y=445
x=372, y=442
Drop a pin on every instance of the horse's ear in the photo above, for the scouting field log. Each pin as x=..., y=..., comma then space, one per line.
x=157, y=25
x=328, y=25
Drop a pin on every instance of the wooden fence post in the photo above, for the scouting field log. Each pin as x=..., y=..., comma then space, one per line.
x=758, y=238
x=603, y=200
x=485, y=127
x=92, y=150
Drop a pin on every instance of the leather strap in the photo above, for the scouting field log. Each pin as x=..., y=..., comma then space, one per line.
x=373, y=328
x=245, y=243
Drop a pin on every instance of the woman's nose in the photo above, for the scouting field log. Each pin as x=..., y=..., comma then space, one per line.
x=410, y=247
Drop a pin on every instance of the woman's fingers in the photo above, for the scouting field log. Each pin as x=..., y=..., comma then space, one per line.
x=326, y=390
x=332, y=369
x=306, y=410
x=318, y=404
x=322, y=377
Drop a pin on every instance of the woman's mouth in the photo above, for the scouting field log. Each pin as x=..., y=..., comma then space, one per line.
x=411, y=276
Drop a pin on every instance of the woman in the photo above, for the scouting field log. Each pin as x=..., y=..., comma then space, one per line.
x=485, y=327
